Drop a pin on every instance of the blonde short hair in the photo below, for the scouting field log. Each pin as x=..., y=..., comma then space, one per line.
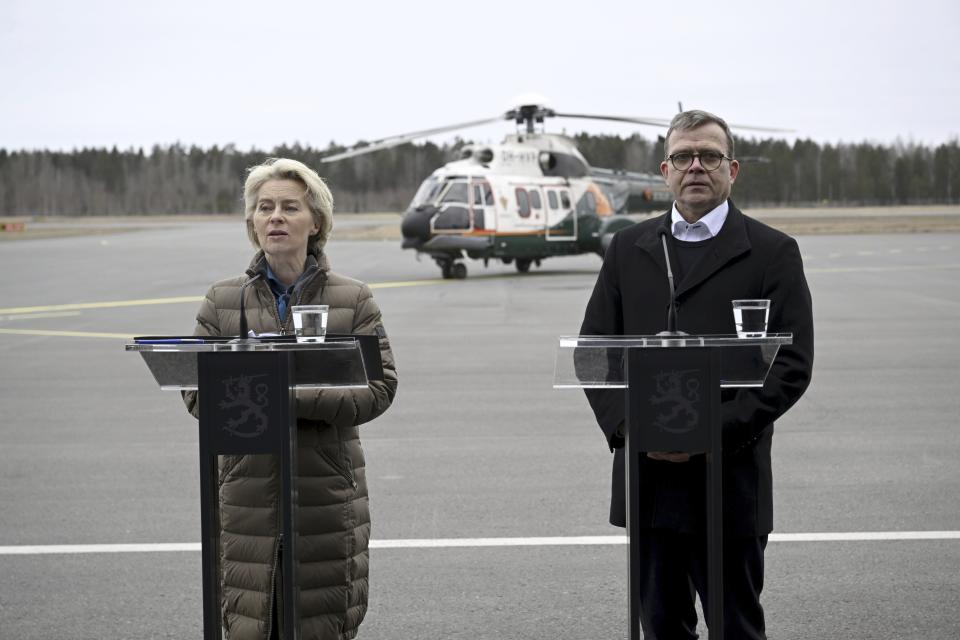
x=318, y=195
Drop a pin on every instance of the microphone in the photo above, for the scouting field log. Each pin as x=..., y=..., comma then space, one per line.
x=672, y=309
x=244, y=331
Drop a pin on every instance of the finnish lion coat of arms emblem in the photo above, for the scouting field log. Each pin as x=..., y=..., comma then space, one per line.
x=250, y=400
x=679, y=394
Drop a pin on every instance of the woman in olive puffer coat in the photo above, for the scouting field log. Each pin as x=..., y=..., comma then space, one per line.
x=288, y=213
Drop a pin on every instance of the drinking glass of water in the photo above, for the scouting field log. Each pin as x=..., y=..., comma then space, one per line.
x=310, y=322
x=751, y=316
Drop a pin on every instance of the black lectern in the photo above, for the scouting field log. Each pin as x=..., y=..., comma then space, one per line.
x=672, y=394
x=247, y=406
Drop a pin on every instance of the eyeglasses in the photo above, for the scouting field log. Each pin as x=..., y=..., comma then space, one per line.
x=709, y=160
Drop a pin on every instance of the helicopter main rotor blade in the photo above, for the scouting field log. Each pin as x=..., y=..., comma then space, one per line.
x=660, y=122
x=749, y=127
x=393, y=141
x=656, y=122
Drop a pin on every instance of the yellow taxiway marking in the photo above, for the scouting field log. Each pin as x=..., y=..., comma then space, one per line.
x=906, y=267
x=67, y=334
x=408, y=283
x=112, y=304
x=98, y=305
x=26, y=312
x=37, y=316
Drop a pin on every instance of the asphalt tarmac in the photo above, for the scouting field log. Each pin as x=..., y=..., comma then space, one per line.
x=477, y=445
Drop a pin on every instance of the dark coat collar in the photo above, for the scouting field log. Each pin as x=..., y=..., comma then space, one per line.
x=732, y=241
x=314, y=257
x=313, y=279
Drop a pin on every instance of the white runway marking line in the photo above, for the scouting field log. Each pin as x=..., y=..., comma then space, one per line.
x=461, y=543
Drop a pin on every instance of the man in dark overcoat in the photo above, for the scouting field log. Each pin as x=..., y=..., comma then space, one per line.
x=717, y=254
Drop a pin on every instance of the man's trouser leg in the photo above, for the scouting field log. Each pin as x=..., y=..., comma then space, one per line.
x=665, y=590
x=742, y=584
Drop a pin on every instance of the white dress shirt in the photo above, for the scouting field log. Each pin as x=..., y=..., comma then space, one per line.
x=703, y=229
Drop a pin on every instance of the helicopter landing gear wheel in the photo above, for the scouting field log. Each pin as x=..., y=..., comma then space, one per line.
x=452, y=270
x=523, y=264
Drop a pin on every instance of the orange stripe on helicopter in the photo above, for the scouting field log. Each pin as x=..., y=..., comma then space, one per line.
x=603, y=205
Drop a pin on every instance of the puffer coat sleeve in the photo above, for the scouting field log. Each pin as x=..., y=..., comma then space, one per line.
x=351, y=407
x=207, y=325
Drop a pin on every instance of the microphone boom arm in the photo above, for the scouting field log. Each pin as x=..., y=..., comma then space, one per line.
x=672, y=309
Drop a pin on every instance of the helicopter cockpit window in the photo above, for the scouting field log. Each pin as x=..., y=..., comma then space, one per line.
x=564, y=165
x=523, y=204
x=565, y=199
x=591, y=201
x=482, y=194
x=535, y=202
x=456, y=192
x=427, y=192
x=552, y=199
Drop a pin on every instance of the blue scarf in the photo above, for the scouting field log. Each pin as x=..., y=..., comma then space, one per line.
x=283, y=294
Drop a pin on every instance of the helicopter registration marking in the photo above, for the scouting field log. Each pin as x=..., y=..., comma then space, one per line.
x=509, y=156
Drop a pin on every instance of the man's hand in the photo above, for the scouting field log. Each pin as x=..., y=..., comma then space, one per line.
x=669, y=456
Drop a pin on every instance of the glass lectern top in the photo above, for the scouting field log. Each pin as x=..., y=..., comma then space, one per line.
x=657, y=341
x=200, y=345
x=597, y=362
x=330, y=364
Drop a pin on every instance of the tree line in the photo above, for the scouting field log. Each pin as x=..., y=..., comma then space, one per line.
x=179, y=179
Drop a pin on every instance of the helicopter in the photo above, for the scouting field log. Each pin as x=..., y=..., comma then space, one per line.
x=531, y=197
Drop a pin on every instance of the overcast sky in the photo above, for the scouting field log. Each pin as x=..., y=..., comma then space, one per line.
x=104, y=73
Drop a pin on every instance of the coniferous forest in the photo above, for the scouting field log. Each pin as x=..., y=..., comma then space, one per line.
x=179, y=179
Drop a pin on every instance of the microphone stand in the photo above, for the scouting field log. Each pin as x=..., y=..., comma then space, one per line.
x=244, y=341
x=672, y=309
